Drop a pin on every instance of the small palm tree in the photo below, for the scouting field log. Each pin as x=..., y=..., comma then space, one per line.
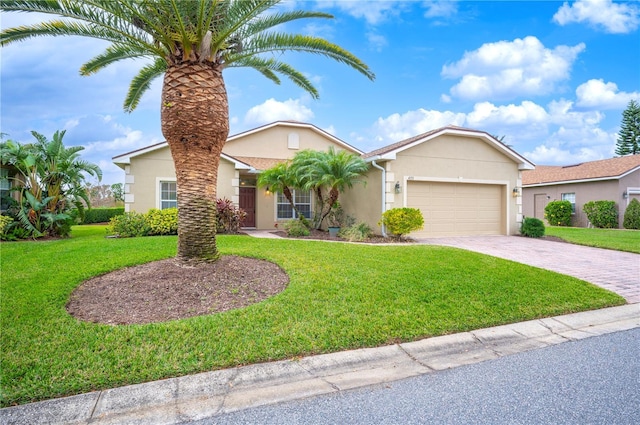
x=281, y=179
x=333, y=171
x=190, y=43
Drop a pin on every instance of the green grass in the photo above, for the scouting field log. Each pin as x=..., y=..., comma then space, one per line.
x=617, y=239
x=340, y=296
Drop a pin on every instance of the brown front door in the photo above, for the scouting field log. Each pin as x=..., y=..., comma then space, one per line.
x=248, y=204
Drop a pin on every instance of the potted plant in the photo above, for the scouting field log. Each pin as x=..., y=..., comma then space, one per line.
x=334, y=219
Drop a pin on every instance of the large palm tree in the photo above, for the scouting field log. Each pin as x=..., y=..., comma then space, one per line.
x=190, y=43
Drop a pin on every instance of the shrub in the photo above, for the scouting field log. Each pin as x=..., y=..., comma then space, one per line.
x=296, y=228
x=162, y=222
x=356, y=233
x=129, y=225
x=632, y=215
x=558, y=213
x=401, y=221
x=602, y=214
x=532, y=227
x=229, y=217
x=101, y=215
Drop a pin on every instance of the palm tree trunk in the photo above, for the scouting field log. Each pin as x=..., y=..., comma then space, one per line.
x=331, y=200
x=287, y=194
x=195, y=122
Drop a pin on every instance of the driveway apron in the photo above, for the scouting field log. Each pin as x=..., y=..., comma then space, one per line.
x=616, y=271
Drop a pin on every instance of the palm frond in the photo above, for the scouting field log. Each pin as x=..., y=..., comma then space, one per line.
x=113, y=53
x=142, y=81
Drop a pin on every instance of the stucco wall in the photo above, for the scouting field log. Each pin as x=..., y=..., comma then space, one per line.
x=146, y=171
x=274, y=143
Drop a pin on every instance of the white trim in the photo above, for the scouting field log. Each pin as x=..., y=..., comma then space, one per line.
x=158, y=194
x=505, y=183
x=125, y=158
x=632, y=191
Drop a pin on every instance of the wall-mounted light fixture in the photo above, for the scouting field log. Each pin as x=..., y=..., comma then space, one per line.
x=267, y=191
x=516, y=192
x=625, y=195
x=397, y=188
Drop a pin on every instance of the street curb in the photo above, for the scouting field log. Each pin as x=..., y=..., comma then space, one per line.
x=203, y=395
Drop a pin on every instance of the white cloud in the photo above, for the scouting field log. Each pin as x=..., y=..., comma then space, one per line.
x=373, y=12
x=272, y=110
x=598, y=94
x=397, y=127
x=440, y=8
x=617, y=18
x=377, y=41
x=507, y=69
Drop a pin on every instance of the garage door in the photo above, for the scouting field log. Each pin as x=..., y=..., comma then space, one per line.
x=457, y=209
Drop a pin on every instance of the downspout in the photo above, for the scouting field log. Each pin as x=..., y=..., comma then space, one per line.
x=384, y=192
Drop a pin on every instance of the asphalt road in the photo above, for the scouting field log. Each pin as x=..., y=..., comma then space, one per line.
x=591, y=381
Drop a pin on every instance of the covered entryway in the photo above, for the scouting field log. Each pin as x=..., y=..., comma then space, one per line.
x=458, y=209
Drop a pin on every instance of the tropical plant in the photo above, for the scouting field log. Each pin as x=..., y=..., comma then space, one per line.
x=632, y=215
x=331, y=171
x=357, y=232
x=281, y=178
x=628, y=142
x=402, y=221
x=229, y=217
x=51, y=183
x=190, y=43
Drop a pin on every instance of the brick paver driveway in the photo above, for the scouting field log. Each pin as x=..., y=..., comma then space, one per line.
x=613, y=270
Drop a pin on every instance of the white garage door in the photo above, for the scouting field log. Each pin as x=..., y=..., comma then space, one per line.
x=457, y=209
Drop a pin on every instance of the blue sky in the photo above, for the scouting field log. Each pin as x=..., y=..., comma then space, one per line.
x=551, y=77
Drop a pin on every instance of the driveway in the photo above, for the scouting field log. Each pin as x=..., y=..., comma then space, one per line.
x=616, y=271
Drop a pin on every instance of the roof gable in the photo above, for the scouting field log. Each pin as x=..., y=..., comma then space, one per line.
x=389, y=152
x=125, y=158
x=605, y=169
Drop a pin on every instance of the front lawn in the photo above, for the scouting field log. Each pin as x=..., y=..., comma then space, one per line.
x=617, y=239
x=340, y=296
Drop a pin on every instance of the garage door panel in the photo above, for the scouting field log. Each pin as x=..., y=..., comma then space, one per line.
x=456, y=209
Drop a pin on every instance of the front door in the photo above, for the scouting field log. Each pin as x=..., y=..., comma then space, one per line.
x=248, y=204
x=539, y=203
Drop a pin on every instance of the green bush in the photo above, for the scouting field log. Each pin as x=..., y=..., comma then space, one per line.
x=296, y=228
x=5, y=225
x=558, y=213
x=401, y=221
x=532, y=227
x=602, y=214
x=356, y=233
x=101, y=215
x=632, y=215
x=162, y=222
x=129, y=225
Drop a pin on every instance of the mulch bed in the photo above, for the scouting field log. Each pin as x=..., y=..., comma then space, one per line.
x=323, y=235
x=168, y=290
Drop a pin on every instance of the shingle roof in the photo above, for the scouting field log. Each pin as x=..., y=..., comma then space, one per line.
x=593, y=170
x=260, y=164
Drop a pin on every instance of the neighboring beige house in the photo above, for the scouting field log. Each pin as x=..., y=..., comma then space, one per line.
x=464, y=181
x=615, y=179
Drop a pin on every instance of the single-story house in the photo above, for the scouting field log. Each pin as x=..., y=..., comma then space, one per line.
x=464, y=181
x=614, y=179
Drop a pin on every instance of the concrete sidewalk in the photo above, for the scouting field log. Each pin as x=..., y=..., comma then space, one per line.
x=204, y=395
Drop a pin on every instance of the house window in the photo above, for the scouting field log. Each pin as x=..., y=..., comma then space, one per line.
x=5, y=188
x=571, y=197
x=302, y=200
x=168, y=195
